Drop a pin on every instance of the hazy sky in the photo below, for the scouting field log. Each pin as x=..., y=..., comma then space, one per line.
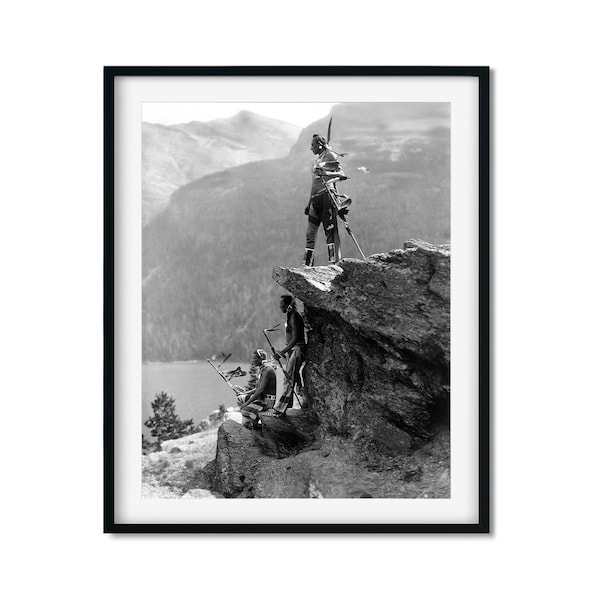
x=170, y=113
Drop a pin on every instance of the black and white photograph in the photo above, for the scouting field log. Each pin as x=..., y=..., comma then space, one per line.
x=293, y=322
x=296, y=300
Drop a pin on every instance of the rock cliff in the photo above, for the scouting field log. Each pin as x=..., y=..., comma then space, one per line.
x=375, y=420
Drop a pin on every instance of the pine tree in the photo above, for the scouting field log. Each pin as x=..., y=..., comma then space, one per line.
x=165, y=424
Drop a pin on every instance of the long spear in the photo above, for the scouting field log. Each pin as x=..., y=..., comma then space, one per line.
x=329, y=186
x=333, y=198
x=347, y=226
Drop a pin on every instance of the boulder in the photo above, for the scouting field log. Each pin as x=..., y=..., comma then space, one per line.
x=236, y=460
x=378, y=357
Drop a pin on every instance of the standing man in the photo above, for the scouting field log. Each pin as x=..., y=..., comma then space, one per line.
x=294, y=349
x=320, y=208
x=253, y=402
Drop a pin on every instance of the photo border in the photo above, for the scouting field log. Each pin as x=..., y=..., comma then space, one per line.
x=482, y=75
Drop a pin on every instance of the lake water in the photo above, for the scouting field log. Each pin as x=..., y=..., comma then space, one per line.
x=196, y=386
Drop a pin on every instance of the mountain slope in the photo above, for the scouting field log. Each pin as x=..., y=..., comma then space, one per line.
x=173, y=155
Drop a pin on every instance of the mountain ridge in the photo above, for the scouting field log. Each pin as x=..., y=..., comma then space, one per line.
x=174, y=155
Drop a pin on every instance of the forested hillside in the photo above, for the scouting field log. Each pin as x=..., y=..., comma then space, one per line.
x=208, y=258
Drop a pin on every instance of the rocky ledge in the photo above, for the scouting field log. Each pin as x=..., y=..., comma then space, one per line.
x=377, y=387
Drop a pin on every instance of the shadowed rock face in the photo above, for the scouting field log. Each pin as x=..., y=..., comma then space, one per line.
x=374, y=421
x=237, y=456
x=379, y=343
x=242, y=453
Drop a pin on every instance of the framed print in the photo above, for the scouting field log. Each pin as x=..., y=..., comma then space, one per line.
x=296, y=299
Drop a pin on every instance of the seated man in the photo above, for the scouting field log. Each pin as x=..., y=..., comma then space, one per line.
x=262, y=397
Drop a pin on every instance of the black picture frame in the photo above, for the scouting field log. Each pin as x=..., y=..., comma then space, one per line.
x=482, y=75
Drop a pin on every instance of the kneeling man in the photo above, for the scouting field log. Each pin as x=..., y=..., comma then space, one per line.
x=262, y=397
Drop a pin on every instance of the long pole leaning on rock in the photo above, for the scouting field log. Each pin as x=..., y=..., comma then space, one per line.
x=274, y=352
